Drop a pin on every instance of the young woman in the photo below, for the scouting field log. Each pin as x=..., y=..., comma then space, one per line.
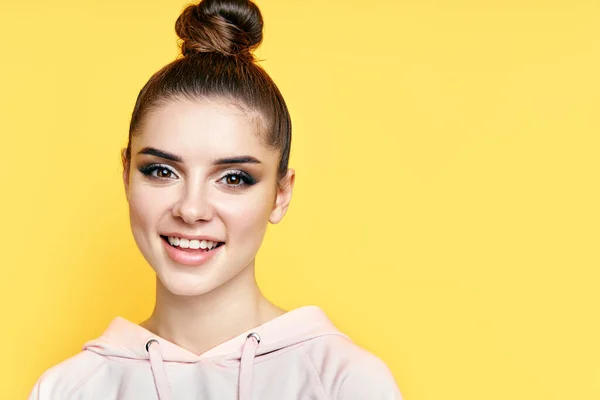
x=205, y=171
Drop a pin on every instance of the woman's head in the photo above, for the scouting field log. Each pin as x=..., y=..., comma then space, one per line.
x=218, y=37
x=207, y=160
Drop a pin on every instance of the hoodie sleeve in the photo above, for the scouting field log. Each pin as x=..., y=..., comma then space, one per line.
x=35, y=393
x=62, y=380
x=369, y=380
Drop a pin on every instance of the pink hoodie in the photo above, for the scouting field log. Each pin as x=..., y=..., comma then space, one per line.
x=299, y=355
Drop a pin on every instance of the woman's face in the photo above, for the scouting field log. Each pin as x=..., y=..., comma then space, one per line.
x=202, y=188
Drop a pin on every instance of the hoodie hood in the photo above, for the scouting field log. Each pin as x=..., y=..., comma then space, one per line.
x=126, y=339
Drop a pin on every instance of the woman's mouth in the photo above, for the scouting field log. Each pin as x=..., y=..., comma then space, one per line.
x=191, y=244
x=192, y=252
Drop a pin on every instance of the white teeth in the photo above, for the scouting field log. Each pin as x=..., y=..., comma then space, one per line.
x=191, y=244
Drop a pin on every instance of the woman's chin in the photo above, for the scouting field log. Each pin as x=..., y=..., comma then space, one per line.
x=181, y=284
x=183, y=280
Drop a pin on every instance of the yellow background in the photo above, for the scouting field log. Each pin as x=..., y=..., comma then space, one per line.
x=446, y=213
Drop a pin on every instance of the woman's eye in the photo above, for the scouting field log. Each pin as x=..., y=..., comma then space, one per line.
x=163, y=173
x=158, y=172
x=237, y=179
x=233, y=179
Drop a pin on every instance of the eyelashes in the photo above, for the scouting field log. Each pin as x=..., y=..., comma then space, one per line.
x=158, y=171
x=237, y=178
x=234, y=179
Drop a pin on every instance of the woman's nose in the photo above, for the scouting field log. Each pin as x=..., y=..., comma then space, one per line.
x=193, y=205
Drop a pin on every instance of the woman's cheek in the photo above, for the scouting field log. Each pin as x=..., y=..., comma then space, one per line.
x=247, y=216
x=139, y=217
x=140, y=205
x=147, y=205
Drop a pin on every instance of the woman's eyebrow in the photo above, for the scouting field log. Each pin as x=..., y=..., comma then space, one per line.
x=160, y=153
x=220, y=161
x=236, y=160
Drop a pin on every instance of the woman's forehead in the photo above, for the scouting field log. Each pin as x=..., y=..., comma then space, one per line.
x=203, y=130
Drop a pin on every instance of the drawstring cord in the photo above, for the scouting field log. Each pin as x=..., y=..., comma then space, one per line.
x=247, y=366
x=163, y=390
x=158, y=370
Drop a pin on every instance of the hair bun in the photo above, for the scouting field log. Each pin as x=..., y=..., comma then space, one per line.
x=229, y=27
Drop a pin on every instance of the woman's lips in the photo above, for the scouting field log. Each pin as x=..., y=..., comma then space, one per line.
x=191, y=257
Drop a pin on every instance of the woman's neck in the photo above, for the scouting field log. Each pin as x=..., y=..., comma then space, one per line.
x=200, y=323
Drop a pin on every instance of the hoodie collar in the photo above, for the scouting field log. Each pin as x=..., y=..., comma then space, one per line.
x=126, y=339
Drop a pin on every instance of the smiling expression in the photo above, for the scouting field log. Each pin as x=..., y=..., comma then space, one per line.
x=202, y=187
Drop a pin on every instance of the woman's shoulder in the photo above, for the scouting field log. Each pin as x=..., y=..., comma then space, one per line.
x=60, y=380
x=348, y=371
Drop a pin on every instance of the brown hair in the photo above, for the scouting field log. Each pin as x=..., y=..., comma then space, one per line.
x=217, y=62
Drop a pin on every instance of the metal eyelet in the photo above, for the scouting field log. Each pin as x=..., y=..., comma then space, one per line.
x=254, y=335
x=150, y=342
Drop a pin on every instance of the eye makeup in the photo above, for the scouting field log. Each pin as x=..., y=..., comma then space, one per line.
x=237, y=179
x=232, y=179
x=158, y=171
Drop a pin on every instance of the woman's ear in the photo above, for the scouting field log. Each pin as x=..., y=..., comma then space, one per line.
x=125, y=162
x=284, y=196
